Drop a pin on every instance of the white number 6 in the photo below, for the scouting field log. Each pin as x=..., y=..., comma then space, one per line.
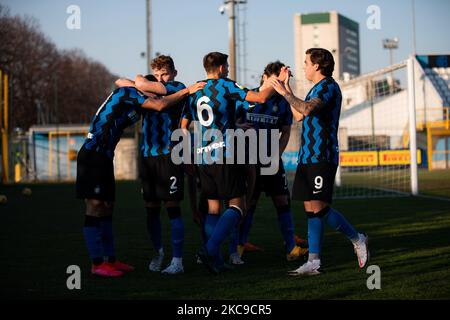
x=202, y=104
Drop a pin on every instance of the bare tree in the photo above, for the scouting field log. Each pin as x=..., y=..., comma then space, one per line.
x=41, y=75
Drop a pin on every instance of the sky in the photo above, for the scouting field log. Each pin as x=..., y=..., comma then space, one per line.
x=114, y=31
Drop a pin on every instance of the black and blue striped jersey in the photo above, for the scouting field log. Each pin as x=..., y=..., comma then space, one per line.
x=320, y=128
x=275, y=113
x=120, y=110
x=214, y=107
x=157, y=127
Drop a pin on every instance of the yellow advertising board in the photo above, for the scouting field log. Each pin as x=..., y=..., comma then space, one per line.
x=375, y=158
x=358, y=158
x=397, y=157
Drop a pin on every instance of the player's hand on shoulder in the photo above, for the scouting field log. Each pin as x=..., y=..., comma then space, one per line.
x=195, y=87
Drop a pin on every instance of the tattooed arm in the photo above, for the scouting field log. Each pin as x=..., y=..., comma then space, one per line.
x=304, y=107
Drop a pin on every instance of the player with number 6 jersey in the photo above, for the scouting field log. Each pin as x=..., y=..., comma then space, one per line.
x=214, y=107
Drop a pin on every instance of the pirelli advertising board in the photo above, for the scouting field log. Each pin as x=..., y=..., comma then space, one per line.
x=376, y=158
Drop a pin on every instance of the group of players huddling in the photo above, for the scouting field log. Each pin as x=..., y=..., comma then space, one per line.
x=228, y=191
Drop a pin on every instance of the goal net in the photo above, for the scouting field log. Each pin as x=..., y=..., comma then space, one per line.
x=374, y=136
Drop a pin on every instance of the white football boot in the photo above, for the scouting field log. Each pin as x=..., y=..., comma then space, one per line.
x=175, y=267
x=361, y=248
x=310, y=268
x=157, y=261
x=235, y=259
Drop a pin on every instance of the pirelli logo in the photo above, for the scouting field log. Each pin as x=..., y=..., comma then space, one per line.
x=376, y=158
x=393, y=157
x=358, y=159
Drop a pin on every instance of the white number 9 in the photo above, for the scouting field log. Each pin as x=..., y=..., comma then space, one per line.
x=202, y=104
x=318, y=182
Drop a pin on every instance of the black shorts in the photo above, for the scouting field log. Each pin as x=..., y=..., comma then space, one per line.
x=272, y=185
x=222, y=181
x=95, y=176
x=161, y=179
x=314, y=182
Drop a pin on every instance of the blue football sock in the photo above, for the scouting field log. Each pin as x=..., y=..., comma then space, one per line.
x=228, y=220
x=154, y=227
x=92, y=237
x=337, y=221
x=246, y=225
x=209, y=225
x=107, y=238
x=286, y=227
x=234, y=240
x=177, y=236
x=315, y=234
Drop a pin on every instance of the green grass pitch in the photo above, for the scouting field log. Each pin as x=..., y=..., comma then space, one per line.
x=41, y=235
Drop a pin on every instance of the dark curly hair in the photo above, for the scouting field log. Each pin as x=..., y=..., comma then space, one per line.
x=272, y=68
x=324, y=59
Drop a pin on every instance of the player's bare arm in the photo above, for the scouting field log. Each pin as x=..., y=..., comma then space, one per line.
x=266, y=94
x=149, y=86
x=184, y=124
x=260, y=97
x=304, y=107
x=297, y=115
x=284, y=76
x=124, y=82
x=162, y=103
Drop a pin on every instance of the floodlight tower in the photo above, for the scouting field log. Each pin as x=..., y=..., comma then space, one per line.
x=229, y=6
x=391, y=44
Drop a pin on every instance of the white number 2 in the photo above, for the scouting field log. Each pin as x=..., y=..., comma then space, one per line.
x=173, y=186
x=202, y=104
x=318, y=182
